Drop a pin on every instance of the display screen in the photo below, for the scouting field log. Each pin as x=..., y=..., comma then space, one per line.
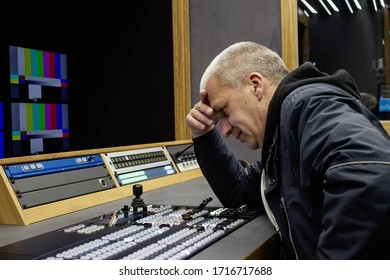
x=34, y=106
x=80, y=86
x=384, y=98
x=2, y=149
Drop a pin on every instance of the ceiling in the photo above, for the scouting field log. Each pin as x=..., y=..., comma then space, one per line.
x=324, y=7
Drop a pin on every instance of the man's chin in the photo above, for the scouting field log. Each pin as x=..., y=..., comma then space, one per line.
x=252, y=146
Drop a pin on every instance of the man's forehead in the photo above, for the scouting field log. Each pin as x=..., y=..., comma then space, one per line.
x=214, y=89
x=213, y=82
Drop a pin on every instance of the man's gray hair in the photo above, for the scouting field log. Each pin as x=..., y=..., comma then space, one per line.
x=237, y=61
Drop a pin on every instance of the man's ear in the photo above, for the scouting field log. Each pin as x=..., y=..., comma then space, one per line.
x=257, y=81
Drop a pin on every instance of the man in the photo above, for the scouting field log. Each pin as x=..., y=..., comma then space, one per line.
x=324, y=169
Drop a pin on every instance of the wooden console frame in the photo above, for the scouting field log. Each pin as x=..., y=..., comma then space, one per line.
x=386, y=125
x=11, y=211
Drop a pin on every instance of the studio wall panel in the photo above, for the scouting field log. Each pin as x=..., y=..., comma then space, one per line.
x=219, y=23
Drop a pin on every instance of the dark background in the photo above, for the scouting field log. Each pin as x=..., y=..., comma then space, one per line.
x=353, y=42
x=119, y=65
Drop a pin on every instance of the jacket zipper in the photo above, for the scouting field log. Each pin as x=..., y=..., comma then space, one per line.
x=283, y=207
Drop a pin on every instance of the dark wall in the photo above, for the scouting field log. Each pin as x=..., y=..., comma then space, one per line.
x=120, y=65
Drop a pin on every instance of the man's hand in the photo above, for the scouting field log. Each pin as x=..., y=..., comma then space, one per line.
x=201, y=118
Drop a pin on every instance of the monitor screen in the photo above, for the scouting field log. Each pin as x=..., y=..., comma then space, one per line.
x=93, y=72
x=34, y=106
x=2, y=147
x=384, y=98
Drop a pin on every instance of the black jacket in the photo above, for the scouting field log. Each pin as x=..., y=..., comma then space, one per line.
x=326, y=170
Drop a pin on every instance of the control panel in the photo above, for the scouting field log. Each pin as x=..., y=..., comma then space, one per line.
x=184, y=157
x=42, y=182
x=138, y=231
x=140, y=165
x=39, y=187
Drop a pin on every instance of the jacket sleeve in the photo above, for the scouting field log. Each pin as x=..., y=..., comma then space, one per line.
x=347, y=157
x=233, y=184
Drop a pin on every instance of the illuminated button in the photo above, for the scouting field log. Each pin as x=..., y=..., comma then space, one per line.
x=26, y=167
x=39, y=165
x=32, y=166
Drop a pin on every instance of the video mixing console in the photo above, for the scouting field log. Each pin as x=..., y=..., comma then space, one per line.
x=137, y=231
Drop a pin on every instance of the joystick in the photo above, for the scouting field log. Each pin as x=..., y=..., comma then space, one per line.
x=188, y=215
x=138, y=204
